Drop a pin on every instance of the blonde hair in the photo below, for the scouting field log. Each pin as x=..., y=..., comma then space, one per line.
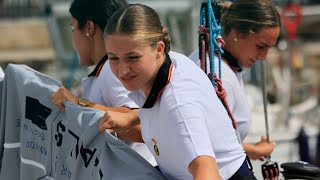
x=141, y=23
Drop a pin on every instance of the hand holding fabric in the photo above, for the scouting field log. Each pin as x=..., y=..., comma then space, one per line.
x=115, y=122
x=62, y=95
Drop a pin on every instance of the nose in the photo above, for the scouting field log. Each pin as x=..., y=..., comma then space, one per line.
x=263, y=54
x=124, y=68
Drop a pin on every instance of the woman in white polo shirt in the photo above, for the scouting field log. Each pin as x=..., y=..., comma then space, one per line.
x=183, y=122
x=102, y=90
x=250, y=28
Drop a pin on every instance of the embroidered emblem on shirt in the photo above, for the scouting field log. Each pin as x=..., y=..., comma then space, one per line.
x=155, y=147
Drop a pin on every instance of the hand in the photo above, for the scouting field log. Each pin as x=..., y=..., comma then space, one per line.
x=262, y=149
x=117, y=122
x=62, y=95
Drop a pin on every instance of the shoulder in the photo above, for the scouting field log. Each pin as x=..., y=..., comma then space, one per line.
x=228, y=76
x=178, y=58
x=105, y=70
x=194, y=56
x=178, y=106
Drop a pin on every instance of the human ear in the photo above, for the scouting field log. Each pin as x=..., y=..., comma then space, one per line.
x=160, y=48
x=90, y=27
x=236, y=35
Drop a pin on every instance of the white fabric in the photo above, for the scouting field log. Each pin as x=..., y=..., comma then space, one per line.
x=184, y=125
x=232, y=81
x=107, y=90
x=1, y=74
x=55, y=145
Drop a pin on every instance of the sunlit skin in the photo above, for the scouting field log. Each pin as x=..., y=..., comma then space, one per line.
x=134, y=64
x=88, y=42
x=80, y=42
x=248, y=49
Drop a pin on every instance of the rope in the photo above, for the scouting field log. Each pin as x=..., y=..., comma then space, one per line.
x=222, y=94
x=211, y=42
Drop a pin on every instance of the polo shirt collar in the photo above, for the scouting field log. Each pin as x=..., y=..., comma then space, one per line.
x=162, y=79
x=160, y=82
x=231, y=61
x=99, y=66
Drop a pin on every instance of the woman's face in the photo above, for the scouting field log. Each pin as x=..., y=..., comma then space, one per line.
x=81, y=43
x=253, y=47
x=134, y=64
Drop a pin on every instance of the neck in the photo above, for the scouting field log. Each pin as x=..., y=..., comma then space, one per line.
x=98, y=47
x=99, y=52
x=228, y=44
x=149, y=84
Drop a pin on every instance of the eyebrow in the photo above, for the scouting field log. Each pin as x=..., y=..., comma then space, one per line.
x=127, y=54
x=110, y=53
x=131, y=53
x=265, y=45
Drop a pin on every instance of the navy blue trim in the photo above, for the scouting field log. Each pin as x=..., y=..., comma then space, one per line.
x=159, y=83
x=97, y=69
x=232, y=61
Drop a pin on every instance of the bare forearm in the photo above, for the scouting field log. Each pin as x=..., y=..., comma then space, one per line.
x=258, y=150
x=132, y=135
x=204, y=168
x=106, y=108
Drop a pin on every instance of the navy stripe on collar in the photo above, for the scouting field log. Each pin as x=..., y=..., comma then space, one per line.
x=232, y=61
x=98, y=67
x=160, y=82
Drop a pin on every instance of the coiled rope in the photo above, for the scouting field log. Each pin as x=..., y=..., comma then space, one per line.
x=210, y=42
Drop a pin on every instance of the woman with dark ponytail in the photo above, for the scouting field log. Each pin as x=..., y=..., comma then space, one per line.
x=102, y=90
x=183, y=122
x=250, y=28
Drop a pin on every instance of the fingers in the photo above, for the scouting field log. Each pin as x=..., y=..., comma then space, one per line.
x=57, y=100
x=62, y=95
x=106, y=124
x=263, y=139
x=61, y=107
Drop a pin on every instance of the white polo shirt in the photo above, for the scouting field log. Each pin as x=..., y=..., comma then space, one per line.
x=187, y=120
x=102, y=87
x=232, y=82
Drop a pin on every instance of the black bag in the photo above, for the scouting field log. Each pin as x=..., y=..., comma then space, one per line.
x=300, y=170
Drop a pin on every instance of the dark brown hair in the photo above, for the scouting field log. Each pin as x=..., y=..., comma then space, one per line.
x=98, y=11
x=250, y=16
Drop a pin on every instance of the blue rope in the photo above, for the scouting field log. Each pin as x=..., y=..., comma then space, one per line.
x=214, y=33
x=202, y=17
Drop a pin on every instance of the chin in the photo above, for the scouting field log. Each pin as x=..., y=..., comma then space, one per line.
x=128, y=87
x=83, y=63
